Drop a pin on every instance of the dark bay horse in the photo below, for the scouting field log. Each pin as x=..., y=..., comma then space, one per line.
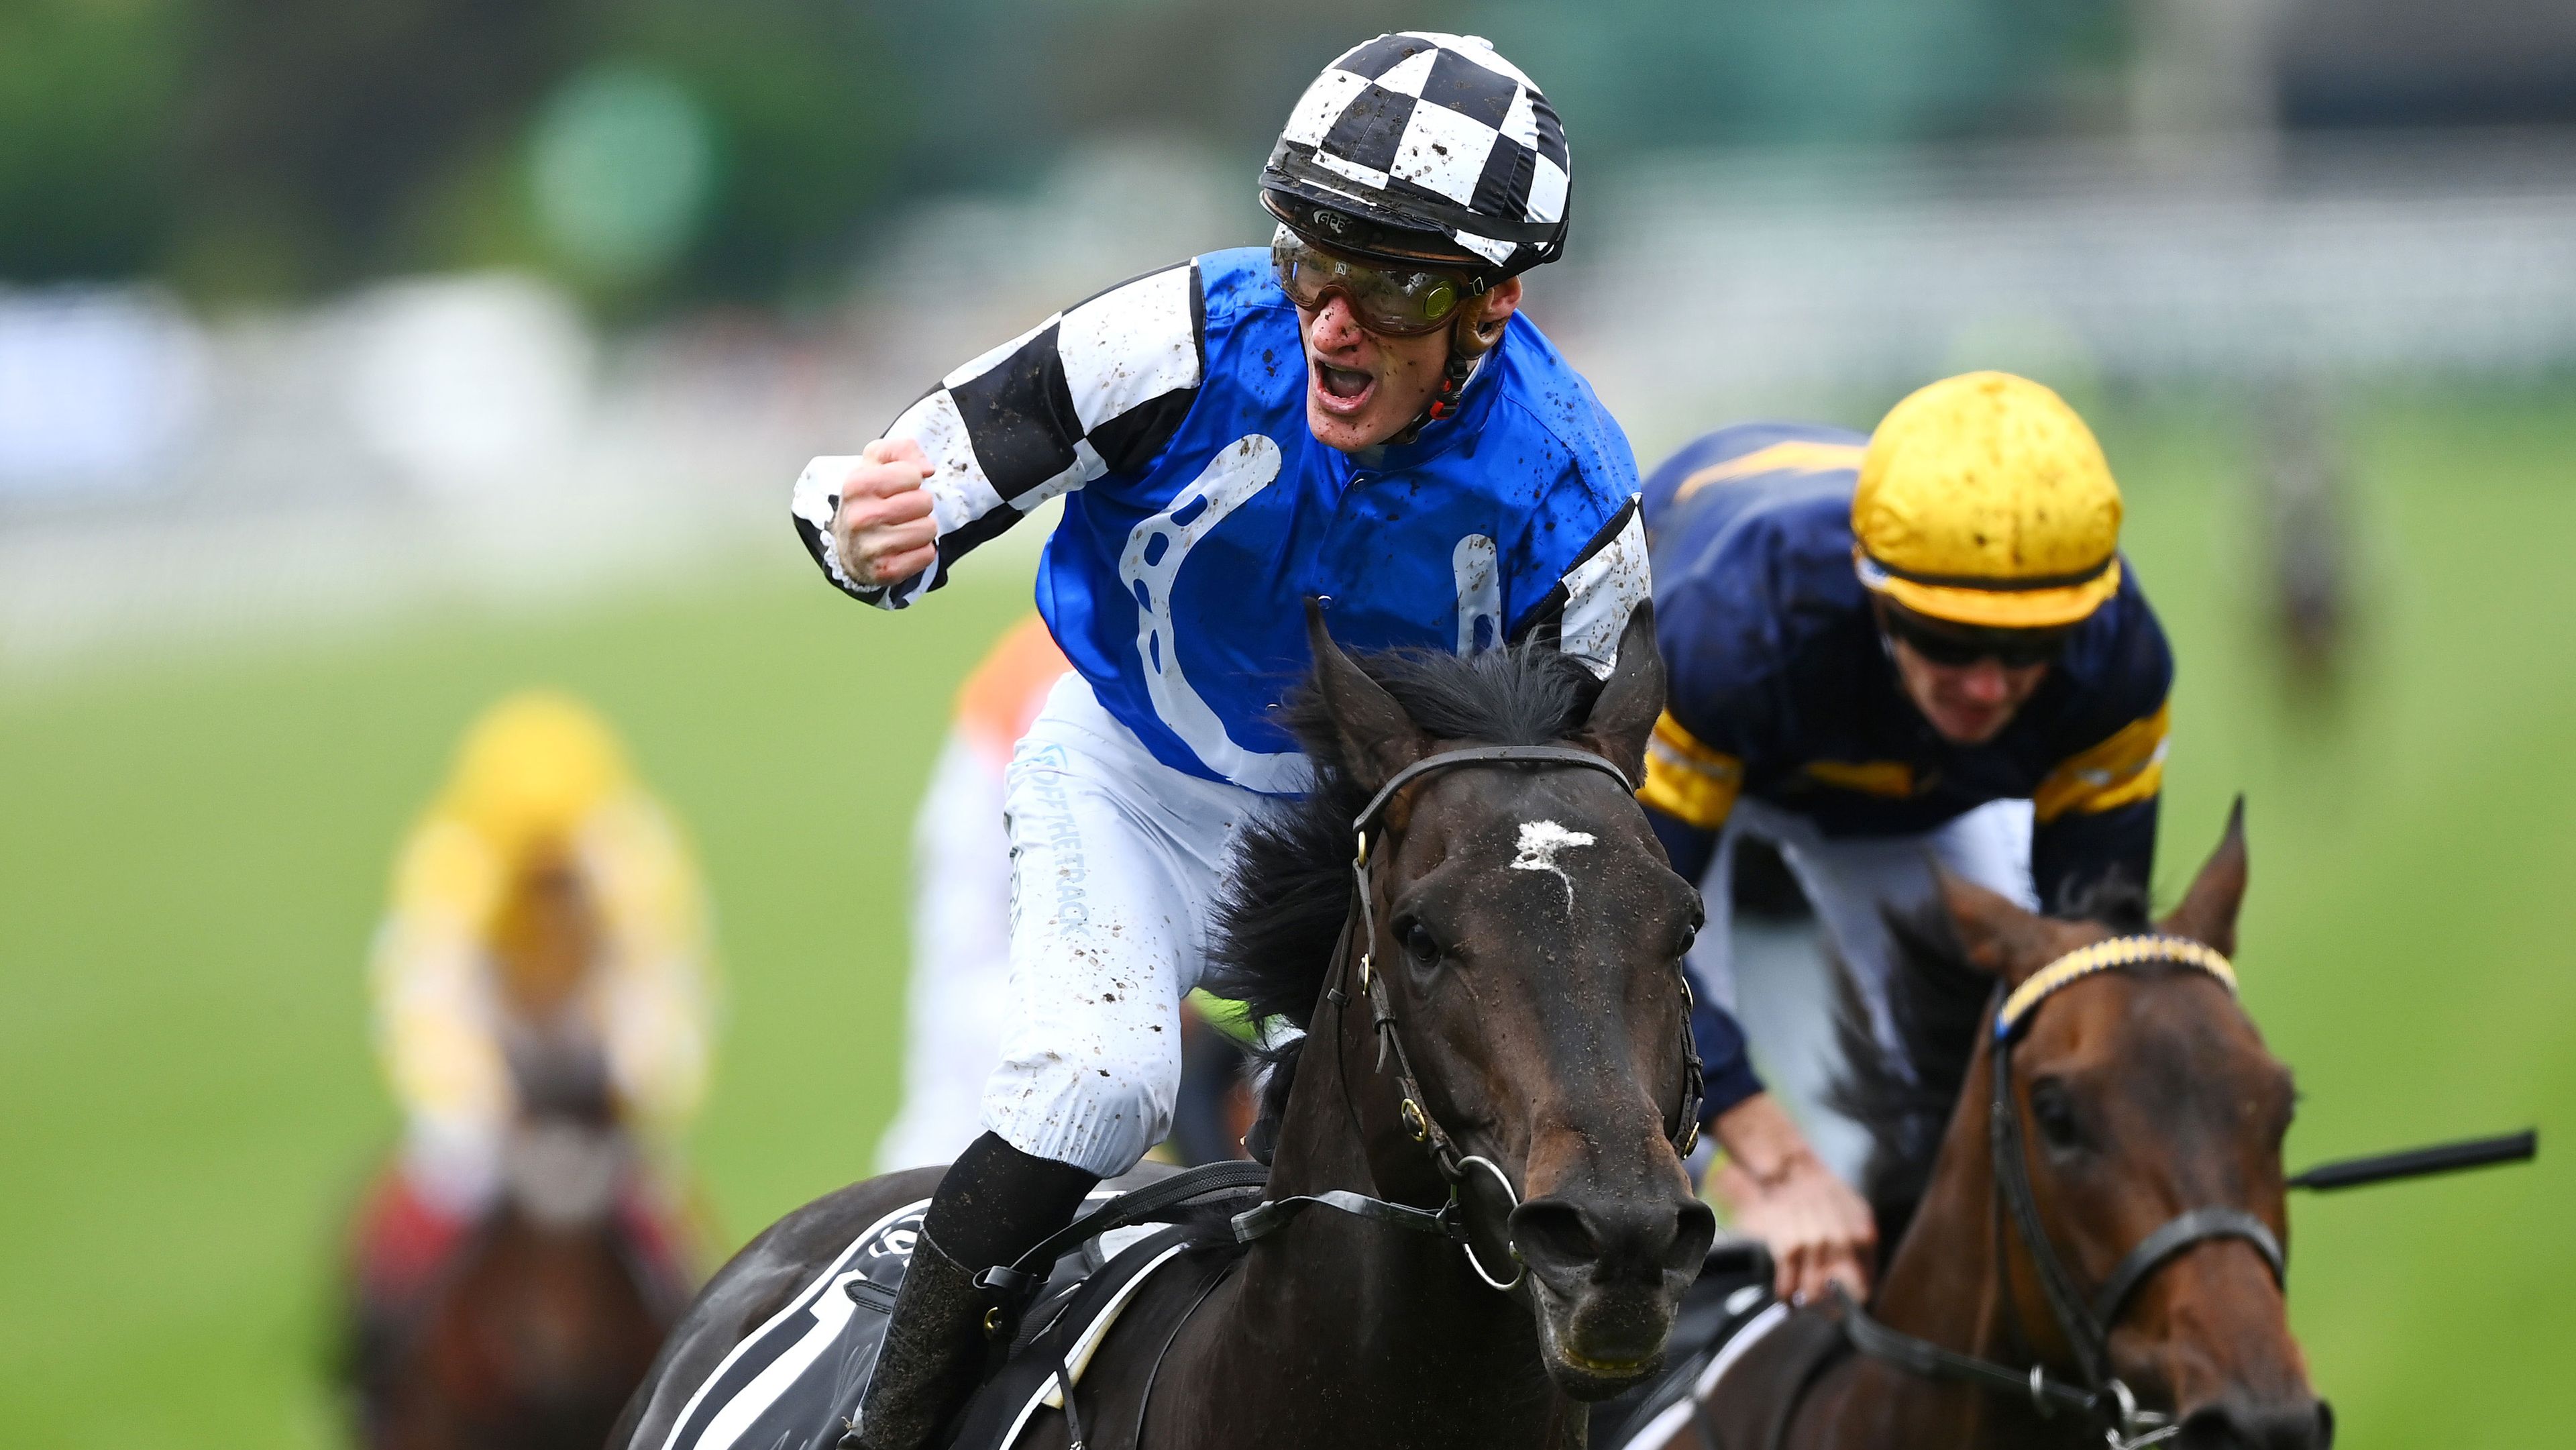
x=2148, y=1118
x=1522, y=937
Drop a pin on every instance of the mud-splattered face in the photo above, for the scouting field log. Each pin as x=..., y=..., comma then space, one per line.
x=1364, y=387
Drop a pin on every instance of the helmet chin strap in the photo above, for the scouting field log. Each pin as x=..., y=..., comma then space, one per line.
x=1460, y=367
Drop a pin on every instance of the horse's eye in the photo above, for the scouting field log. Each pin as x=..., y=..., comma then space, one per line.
x=1420, y=944
x=2051, y=1109
x=1690, y=934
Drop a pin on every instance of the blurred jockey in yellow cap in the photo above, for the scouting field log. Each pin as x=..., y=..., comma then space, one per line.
x=1920, y=643
x=546, y=917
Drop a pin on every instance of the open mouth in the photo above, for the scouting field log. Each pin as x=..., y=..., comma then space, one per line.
x=1608, y=1369
x=1587, y=1378
x=1343, y=390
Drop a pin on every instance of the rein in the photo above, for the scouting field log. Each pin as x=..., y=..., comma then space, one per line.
x=2084, y=1319
x=1358, y=940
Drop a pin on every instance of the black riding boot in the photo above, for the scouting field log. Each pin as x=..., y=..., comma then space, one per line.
x=995, y=1204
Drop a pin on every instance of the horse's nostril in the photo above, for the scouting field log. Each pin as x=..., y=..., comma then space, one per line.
x=2301, y=1424
x=1623, y=1240
x=1694, y=1229
x=1554, y=1235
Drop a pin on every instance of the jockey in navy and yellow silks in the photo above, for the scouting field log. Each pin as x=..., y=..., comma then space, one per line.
x=1781, y=687
x=1917, y=643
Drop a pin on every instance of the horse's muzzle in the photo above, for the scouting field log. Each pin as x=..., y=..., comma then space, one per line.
x=2233, y=1424
x=1606, y=1277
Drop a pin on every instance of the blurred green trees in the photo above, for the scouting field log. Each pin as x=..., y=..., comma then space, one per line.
x=88, y=95
x=658, y=151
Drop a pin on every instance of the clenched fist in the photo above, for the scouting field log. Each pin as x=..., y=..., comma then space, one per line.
x=883, y=531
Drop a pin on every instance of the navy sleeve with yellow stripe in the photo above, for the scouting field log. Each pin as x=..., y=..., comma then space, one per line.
x=2095, y=810
x=2096, y=815
x=1726, y=520
x=1690, y=791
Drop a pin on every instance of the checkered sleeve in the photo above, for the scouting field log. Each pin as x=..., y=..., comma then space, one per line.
x=1589, y=607
x=1094, y=390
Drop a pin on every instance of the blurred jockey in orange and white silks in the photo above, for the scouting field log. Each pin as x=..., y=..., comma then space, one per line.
x=961, y=905
x=545, y=910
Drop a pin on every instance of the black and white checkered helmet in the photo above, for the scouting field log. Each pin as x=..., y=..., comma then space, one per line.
x=1422, y=145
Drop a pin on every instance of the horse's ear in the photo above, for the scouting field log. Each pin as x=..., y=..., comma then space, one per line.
x=1996, y=935
x=2208, y=910
x=1377, y=737
x=1623, y=715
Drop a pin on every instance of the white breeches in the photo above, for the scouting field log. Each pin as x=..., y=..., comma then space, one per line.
x=1116, y=860
x=1850, y=882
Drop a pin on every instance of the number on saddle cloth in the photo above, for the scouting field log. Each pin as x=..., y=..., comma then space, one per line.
x=795, y=1382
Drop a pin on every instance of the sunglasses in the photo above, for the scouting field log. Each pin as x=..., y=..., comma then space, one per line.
x=1391, y=298
x=1956, y=645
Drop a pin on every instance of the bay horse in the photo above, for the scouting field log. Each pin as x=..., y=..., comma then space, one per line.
x=537, y=1327
x=2121, y=1275
x=1495, y=1038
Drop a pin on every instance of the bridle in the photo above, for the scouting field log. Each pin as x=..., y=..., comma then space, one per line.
x=2084, y=1319
x=1358, y=943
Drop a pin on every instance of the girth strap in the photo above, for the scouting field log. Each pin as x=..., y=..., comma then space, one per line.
x=1128, y=1209
x=2179, y=1233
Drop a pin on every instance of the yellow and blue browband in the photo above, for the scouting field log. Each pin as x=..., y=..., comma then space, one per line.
x=2104, y=956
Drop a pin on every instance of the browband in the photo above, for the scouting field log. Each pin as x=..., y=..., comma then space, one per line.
x=2104, y=956
x=1486, y=755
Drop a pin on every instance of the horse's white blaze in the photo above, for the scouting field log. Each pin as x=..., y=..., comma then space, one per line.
x=1540, y=841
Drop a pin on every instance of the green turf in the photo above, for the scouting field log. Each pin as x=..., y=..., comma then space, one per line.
x=191, y=858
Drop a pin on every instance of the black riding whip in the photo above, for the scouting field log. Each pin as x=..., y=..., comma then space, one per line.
x=2519, y=1147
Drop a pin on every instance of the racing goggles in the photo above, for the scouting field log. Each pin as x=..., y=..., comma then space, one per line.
x=1394, y=298
x=1957, y=645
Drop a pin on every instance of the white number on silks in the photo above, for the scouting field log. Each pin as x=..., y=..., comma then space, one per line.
x=1480, y=594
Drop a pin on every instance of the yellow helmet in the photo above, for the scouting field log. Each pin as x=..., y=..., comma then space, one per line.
x=532, y=768
x=1985, y=501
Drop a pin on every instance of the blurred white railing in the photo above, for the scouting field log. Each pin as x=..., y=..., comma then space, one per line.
x=1757, y=281
x=168, y=479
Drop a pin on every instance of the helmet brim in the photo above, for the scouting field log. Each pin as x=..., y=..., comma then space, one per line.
x=1362, y=232
x=2001, y=608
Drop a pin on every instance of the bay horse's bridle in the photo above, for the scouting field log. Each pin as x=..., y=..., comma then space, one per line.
x=2084, y=1319
x=1358, y=942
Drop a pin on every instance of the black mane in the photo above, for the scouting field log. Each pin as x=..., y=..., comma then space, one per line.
x=1281, y=912
x=1940, y=1003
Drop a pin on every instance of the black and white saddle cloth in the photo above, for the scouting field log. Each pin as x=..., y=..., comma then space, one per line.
x=795, y=1383
x=1723, y=1317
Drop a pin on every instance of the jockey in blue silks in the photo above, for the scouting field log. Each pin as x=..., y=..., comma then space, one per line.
x=1359, y=413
